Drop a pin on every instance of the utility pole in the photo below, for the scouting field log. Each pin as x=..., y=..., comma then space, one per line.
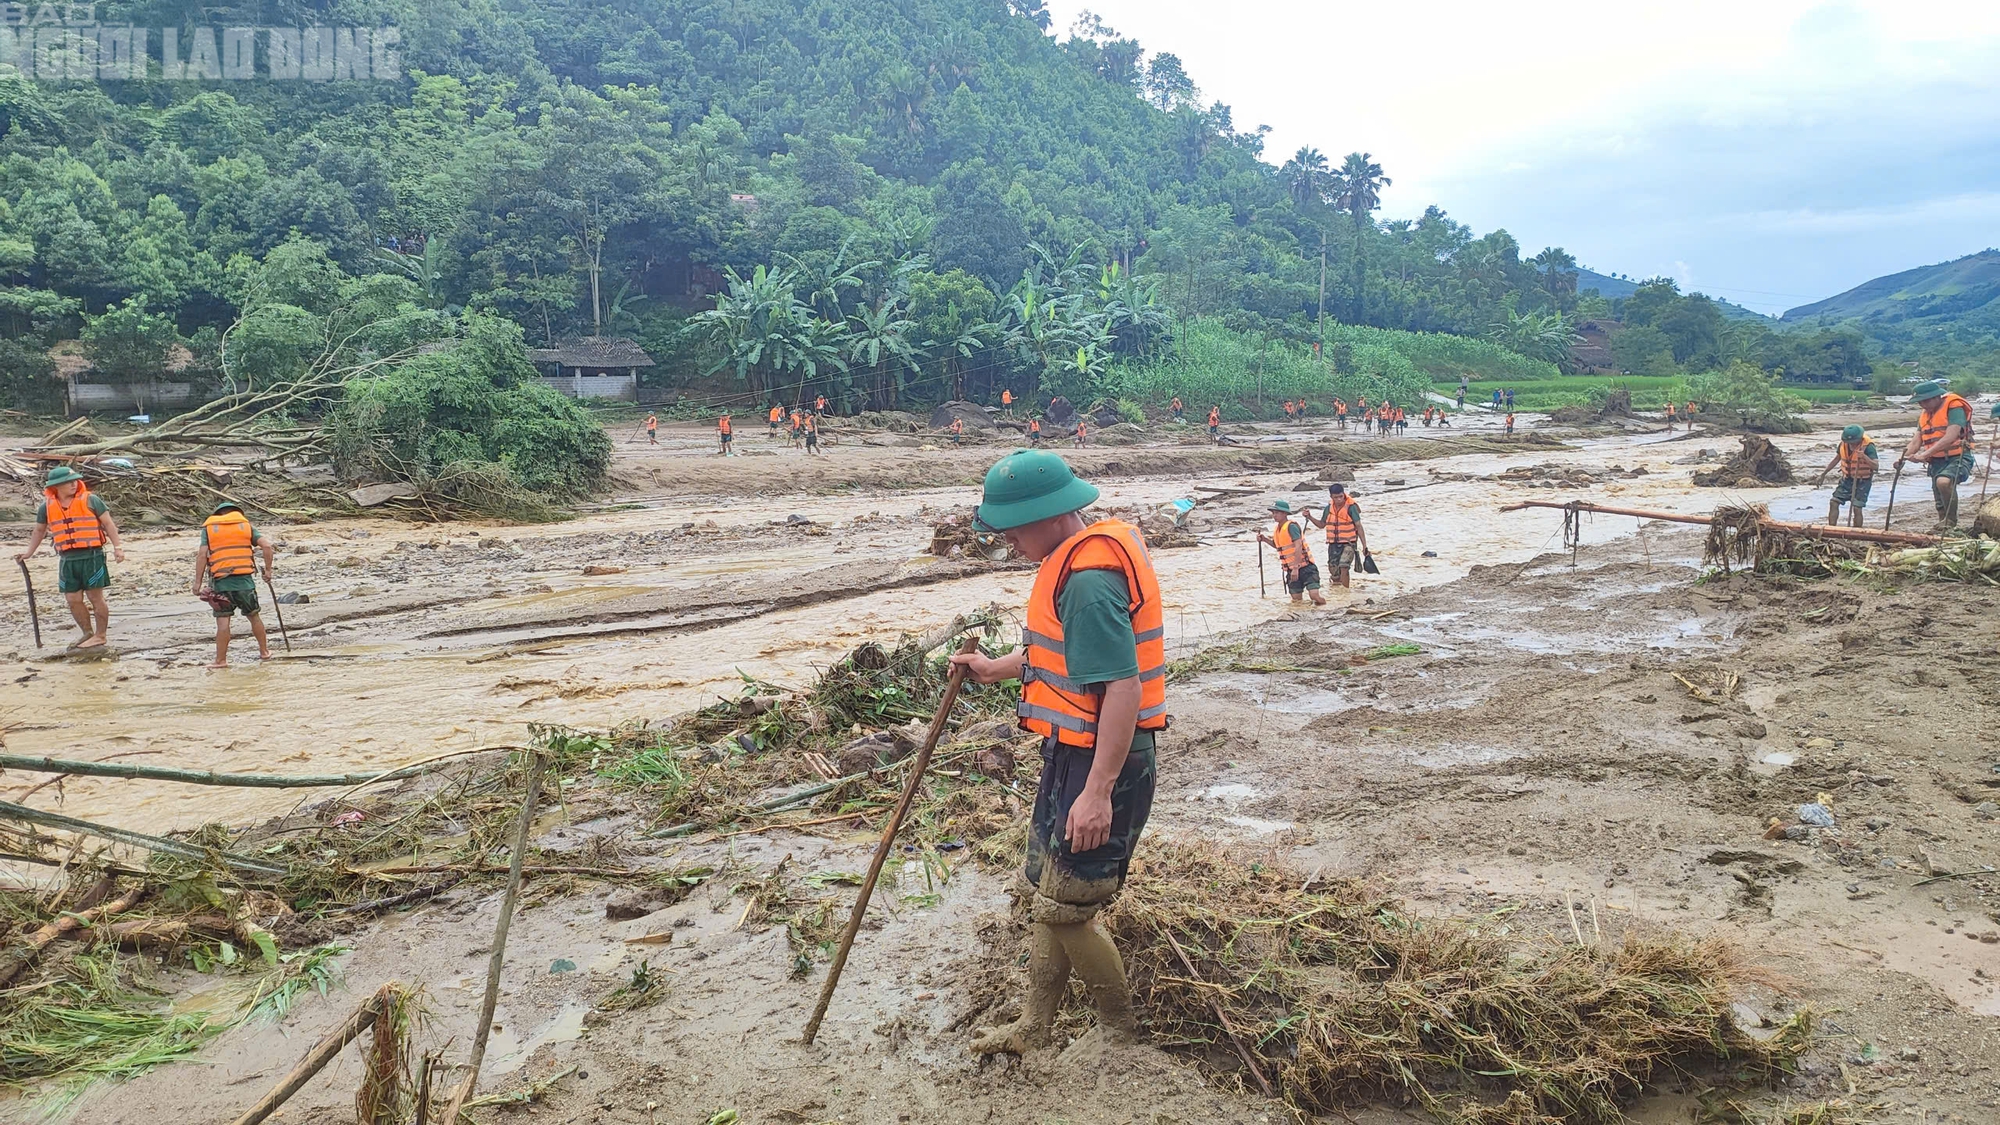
x=1322, y=282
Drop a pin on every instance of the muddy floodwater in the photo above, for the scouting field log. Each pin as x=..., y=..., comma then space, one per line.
x=423, y=639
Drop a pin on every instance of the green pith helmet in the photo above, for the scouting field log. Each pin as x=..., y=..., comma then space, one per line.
x=1996, y=410
x=1031, y=485
x=227, y=506
x=1284, y=506
x=1851, y=433
x=61, y=474
x=1929, y=388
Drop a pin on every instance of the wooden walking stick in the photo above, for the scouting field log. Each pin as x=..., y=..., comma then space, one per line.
x=1890, y=514
x=1992, y=448
x=888, y=840
x=283, y=634
x=1260, y=566
x=34, y=615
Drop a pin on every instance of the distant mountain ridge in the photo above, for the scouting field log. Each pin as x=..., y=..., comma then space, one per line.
x=1948, y=289
x=1614, y=288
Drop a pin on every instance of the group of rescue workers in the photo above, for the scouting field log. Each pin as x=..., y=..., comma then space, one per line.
x=1944, y=442
x=79, y=524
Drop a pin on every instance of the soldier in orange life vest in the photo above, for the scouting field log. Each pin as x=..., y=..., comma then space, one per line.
x=80, y=524
x=777, y=416
x=225, y=565
x=1291, y=412
x=652, y=429
x=1092, y=666
x=722, y=430
x=1510, y=422
x=1857, y=460
x=819, y=405
x=957, y=431
x=1081, y=422
x=1944, y=443
x=1176, y=407
x=1301, y=574
x=1342, y=520
x=1007, y=400
x=1215, y=422
x=812, y=433
x=1035, y=432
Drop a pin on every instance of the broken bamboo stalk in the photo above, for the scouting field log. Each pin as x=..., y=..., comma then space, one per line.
x=14, y=960
x=921, y=761
x=360, y=1020
x=1824, y=531
x=498, y=960
x=242, y=864
x=203, y=777
x=1222, y=1017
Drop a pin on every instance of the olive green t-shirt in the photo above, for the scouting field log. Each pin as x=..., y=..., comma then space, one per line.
x=234, y=582
x=1098, y=642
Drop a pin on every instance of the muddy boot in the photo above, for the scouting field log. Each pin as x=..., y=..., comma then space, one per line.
x=1096, y=963
x=1048, y=978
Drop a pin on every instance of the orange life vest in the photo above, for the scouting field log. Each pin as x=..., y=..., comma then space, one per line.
x=819, y=404
x=1177, y=403
x=1855, y=463
x=958, y=425
x=1006, y=398
x=1079, y=427
x=1034, y=425
x=1340, y=521
x=1670, y=410
x=811, y=424
x=1214, y=417
x=652, y=423
x=1289, y=408
x=1510, y=421
x=1292, y=552
x=777, y=415
x=1053, y=705
x=1932, y=427
x=230, y=549
x=722, y=424
x=1340, y=407
x=73, y=527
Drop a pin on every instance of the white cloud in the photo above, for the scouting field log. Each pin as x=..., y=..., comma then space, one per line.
x=1637, y=135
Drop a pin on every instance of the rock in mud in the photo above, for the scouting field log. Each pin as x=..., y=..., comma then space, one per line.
x=975, y=416
x=873, y=751
x=1337, y=474
x=595, y=571
x=1986, y=810
x=636, y=903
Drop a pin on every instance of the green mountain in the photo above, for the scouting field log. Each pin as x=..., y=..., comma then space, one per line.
x=1945, y=318
x=1953, y=289
x=1618, y=288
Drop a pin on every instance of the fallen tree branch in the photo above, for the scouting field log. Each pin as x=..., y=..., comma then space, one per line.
x=18, y=958
x=75, y=768
x=1810, y=530
x=323, y=1052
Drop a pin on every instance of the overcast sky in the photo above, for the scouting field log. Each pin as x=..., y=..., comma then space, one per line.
x=1772, y=152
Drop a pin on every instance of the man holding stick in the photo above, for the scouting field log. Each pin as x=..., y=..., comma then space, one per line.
x=1092, y=667
x=80, y=524
x=1944, y=443
x=1857, y=460
x=225, y=575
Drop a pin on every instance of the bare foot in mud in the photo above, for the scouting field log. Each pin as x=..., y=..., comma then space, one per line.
x=264, y=654
x=93, y=641
x=1016, y=1038
x=215, y=664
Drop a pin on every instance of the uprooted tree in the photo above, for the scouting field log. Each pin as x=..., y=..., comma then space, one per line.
x=1749, y=397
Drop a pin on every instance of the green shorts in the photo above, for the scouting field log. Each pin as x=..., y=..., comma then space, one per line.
x=1853, y=490
x=1306, y=579
x=1340, y=557
x=245, y=600
x=1957, y=469
x=1064, y=770
x=77, y=571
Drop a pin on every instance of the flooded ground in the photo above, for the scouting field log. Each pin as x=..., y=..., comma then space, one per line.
x=411, y=643
x=1564, y=739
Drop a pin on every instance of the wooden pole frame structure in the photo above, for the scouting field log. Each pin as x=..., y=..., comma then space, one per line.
x=1810, y=530
x=888, y=840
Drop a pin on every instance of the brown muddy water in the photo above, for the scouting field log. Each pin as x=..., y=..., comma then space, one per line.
x=399, y=655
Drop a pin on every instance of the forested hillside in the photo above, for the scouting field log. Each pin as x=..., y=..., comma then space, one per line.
x=1944, y=317
x=880, y=198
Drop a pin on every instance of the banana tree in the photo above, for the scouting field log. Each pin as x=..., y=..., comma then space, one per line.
x=882, y=341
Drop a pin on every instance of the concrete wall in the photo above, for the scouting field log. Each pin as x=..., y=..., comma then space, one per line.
x=154, y=398
x=625, y=387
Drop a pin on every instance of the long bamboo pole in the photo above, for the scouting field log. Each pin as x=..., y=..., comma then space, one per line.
x=203, y=777
x=1859, y=534
x=921, y=762
x=11, y=811
x=358, y=1021
x=498, y=960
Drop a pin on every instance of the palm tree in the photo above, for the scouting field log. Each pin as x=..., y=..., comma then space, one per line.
x=1558, y=268
x=1358, y=191
x=1306, y=176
